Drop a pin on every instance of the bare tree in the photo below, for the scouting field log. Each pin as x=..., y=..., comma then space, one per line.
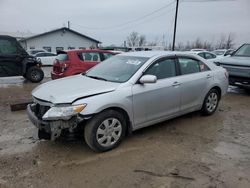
x=142, y=40
x=132, y=39
x=230, y=41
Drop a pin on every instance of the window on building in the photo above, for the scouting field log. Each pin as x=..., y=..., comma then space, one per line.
x=47, y=48
x=71, y=48
x=59, y=49
x=82, y=48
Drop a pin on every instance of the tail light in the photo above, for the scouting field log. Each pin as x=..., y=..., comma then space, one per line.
x=63, y=67
x=59, y=67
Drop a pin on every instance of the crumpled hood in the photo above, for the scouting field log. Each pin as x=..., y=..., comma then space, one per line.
x=235, y=60
x=67, y=90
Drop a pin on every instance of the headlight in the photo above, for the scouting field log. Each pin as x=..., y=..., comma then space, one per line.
x=64, y=113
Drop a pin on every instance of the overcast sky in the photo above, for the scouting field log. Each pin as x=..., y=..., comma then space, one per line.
x=111, y=21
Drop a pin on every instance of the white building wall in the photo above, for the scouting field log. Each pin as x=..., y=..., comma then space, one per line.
x=59, y=38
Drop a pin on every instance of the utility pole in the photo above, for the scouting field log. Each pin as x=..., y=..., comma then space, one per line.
x=68, y=24
x=175, y=24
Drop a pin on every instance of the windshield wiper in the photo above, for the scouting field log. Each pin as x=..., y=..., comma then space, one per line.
x=96, y=77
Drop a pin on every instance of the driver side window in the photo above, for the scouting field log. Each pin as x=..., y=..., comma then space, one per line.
x=8, y=47
x=164, y=68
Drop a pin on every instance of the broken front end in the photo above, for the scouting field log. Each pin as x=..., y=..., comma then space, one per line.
x=54, y=121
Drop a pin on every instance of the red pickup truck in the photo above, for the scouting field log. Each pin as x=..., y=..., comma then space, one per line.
x=72, y=62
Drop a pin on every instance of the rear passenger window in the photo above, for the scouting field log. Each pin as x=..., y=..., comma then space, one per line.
x=209, y=56
x=203, y=67
x=90, y=56
x=188, y=65
x=162, y=69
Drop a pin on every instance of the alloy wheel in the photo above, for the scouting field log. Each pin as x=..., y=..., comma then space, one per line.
x=109, y=132
x=212, y=102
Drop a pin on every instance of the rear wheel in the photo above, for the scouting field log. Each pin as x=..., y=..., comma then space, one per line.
x=211, y=102
x=34, y=74
x=105, y=131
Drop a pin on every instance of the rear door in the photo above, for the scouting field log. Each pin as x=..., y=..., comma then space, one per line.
x=156, y=101
x=10, y=58
x=195, y=78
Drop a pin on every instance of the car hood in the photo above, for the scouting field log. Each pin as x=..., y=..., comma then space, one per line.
x=235, y=60
x=67, y=90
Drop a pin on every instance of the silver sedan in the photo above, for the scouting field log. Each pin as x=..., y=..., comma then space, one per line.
x=125, y=93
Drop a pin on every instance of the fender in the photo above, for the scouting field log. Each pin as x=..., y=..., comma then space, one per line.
x=29, y=62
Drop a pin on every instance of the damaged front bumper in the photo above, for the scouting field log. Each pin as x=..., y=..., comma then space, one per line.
x=54, y=128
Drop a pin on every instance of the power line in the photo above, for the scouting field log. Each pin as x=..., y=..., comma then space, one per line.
x=131, y=21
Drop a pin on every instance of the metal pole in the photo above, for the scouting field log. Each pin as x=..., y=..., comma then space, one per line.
x=175, y=24
x=68, y=24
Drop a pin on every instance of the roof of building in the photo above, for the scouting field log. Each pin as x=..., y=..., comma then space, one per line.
x=64, y=29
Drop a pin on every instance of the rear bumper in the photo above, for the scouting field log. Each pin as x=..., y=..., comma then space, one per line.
x=56, y=75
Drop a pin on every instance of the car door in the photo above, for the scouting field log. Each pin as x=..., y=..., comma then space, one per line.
x=88, y=60
x=194, y=79
x=10, y=58
x=155, y=102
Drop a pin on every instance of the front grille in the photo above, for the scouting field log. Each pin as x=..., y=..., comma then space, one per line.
x=40, y=110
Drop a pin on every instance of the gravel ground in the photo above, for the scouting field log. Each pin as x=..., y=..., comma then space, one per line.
x=189, y=151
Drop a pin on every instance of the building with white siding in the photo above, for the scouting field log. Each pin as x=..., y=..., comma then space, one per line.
x=59, y=39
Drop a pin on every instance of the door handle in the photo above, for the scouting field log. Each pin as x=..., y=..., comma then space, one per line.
x=209, y=76
x=176, y=84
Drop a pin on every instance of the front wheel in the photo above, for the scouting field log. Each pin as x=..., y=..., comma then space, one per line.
x=211, y=102
x=105, y=131
x=35, y=74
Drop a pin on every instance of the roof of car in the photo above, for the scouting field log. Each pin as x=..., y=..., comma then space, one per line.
x=87, y=50
x=150, y=54
x=7, y=37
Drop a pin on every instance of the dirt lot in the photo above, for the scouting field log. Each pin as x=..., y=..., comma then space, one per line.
x=190, y=151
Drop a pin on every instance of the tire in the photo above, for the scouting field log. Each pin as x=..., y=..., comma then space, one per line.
x=35, y=74
x=211, y=102
x=99, y=132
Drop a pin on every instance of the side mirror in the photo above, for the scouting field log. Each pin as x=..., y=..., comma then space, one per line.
x=148, y=79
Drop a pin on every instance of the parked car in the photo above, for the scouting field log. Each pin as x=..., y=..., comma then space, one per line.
x=72, y=62
x=35, y=51
x=124, y=93
x=15, y=61
x=223, y=52
x=238, y=66
x=205, y=54
x=46, y=58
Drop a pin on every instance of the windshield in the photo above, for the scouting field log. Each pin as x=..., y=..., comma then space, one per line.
x=62, y=57
x=117, y=69
x=243, y=51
